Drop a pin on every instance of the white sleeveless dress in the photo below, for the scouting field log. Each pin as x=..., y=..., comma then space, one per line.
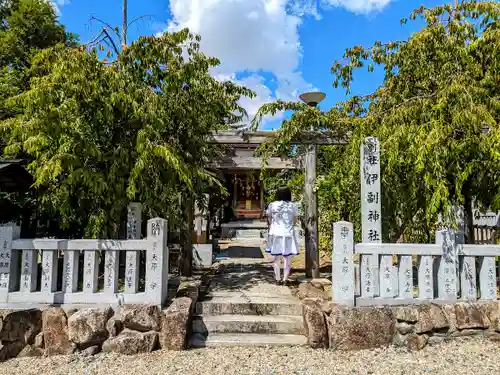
x=282, y=239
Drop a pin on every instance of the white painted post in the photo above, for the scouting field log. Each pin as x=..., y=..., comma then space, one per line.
x=157, y=262
x=29, y=270
x=90, y=271
x=70, y=282
x=425, y=277
x=367, y=277
x=447, y=274
x=386, y=277
x=488, y=279
x=405, y=277
x=15, y=277
x=6, y=234
x=342, y=263
x=466, y=264
x=111, y=265
x=371, y=204
x=468, y=285
x=134, y=225
x=49, y=271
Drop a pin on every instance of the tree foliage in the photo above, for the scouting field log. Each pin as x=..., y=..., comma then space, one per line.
x=103, y=134
x=436, y=113
x=26, y=27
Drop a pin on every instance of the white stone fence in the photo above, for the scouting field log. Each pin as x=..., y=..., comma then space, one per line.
x=19, y=266
x=446, y=271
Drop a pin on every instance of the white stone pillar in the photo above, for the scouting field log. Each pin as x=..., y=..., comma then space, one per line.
x=6, y=235
x=447, y=273
x=157, y=262
x=343, y=264
x=371, y=210
x=134, y=225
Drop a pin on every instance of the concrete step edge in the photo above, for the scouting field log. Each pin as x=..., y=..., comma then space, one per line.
x=234, y=318
x=246, y=339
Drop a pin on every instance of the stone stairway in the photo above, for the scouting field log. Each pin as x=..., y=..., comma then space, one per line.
x=244, y=307
x=225, y=319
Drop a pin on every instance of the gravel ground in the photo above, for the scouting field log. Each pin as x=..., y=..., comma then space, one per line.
x=462, y=356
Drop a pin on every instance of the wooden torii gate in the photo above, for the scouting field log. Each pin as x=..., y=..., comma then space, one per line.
x=311, y=140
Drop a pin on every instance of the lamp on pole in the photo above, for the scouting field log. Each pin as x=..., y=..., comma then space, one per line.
x=310, y=199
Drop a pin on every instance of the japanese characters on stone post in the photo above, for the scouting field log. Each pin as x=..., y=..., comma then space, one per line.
x=134, y=224
x=342, y=264
x=371, y=213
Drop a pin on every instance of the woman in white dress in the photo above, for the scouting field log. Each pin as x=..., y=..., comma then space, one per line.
x=282, y=216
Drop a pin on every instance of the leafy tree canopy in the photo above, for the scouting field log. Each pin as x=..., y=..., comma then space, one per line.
x=26, y=27
x=436, y=113
x=102, y=134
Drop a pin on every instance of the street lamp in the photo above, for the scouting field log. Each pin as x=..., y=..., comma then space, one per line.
x=312, y=99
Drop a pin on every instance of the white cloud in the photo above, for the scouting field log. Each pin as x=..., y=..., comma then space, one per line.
x=57, y=4
x=255, y=37
x=359, y=6
x=251, y=36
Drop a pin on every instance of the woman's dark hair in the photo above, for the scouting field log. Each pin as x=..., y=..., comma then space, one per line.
x=283, y=194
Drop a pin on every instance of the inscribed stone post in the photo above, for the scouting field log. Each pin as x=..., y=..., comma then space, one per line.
x=371, y=213
x=157, y=262
x=134, y=225
x=6, y=234
x=447, y=273
x=488, y=279
x=342, y=264
x=15, y=279
x=466, y=264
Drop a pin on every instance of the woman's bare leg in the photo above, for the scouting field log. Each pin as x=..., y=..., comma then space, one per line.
x=287, y=266
x=276, y=266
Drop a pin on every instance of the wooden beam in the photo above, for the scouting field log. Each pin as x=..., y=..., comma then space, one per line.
x=251, y=162
x=259, y=137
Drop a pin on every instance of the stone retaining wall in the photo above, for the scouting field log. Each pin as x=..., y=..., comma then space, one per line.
x=334, y=326
x=129, y=329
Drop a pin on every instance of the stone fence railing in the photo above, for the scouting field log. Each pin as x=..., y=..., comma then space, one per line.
x=24, y=282
x=448, y=271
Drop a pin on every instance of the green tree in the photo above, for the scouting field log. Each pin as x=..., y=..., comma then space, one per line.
x=437, y=114
x=26, y=27
x=102, y=134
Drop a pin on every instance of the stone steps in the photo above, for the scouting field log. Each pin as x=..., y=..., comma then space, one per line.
x=249, y=305
x=246, y=339
x=268, y=324
x=247, y=234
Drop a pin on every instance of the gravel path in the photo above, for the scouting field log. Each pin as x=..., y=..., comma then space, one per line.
x=464, y=356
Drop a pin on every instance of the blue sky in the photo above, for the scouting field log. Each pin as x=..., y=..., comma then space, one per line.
x=278, y=48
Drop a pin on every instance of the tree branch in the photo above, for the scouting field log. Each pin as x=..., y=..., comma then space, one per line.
x=117, y=51
x=139, y=18
x=105, y=24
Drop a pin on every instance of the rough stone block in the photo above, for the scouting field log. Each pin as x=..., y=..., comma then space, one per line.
x=416, y=342
x=492, y=311
x=141, y=318
x=22, y=326
x=189, y=288
x=114, y=326
x=470, y=315
x=87, y=327
x=308, y=290
x=131, y=342
x=175, y=324
x=314, y=323
x=360, y=328
x=404, y=328
x=90, y=351
x=30, y=351
x=55, y=332
x=425, y=317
